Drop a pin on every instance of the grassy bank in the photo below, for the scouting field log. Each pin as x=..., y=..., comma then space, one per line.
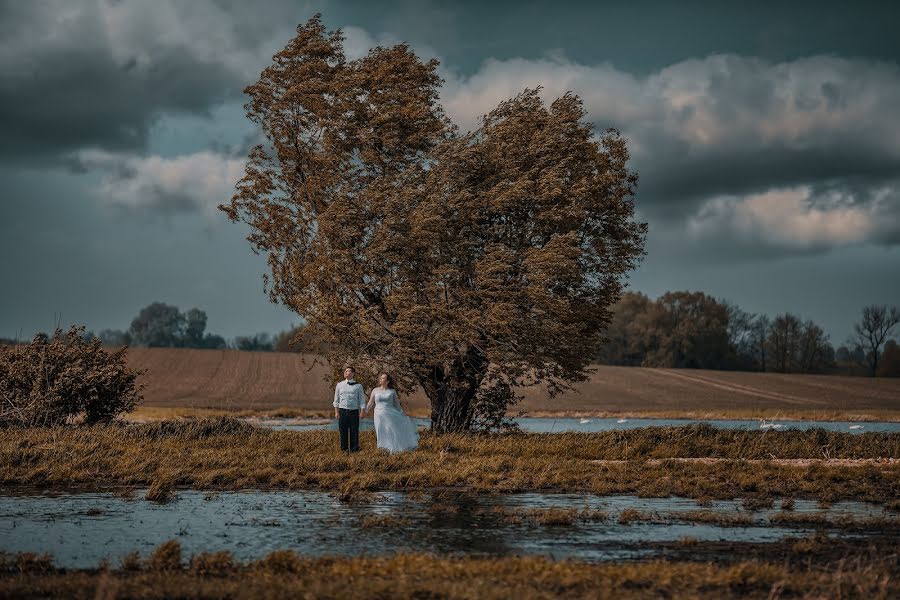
x=227, y=453
x=283, y=574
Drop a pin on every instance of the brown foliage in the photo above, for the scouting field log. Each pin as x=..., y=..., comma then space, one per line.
x=55, y=379
x=457, y=262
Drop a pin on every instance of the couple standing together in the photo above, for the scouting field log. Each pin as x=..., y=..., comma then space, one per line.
x=394, y=431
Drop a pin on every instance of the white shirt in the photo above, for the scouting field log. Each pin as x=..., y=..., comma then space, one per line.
x=349, y=396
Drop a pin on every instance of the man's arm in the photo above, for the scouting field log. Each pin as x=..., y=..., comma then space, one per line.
x=336, y=397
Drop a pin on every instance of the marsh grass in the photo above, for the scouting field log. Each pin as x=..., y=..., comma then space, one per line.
x=628, y=516
x=166, y=557
x=381, y=521
x=213, y=563
x=729, y=519
x=229, y=454
x=161, y=491
x=876, y=523
x=548, y=517
x=284, y=574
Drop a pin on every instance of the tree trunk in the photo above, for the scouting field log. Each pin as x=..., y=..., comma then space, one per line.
x=451, y=395
x=451, y=412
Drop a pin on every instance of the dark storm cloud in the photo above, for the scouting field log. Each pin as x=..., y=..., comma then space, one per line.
x=749, y=145
x=97, y=74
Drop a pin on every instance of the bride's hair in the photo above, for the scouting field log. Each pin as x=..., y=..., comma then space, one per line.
x=390, y=380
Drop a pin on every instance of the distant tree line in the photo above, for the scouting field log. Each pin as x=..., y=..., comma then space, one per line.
x=678, y=330
x=161, y=325
x=694, y=330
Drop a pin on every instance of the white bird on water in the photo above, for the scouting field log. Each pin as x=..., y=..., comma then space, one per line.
x=765, y=425
x=856, y=426
x=622, y=421
x=582, y=421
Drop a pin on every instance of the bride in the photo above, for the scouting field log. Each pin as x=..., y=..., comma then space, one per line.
x=394, y=431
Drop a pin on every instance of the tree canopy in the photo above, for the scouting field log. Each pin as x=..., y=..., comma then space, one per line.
x=467, y=264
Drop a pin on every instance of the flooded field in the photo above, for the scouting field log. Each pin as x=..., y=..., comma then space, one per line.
x=80, y=529
x=552, y=425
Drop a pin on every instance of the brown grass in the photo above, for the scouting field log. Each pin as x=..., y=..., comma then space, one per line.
x=215, y=454
x=548, y=517
x=381, y=521
x=731, y=519
x=283, y=574
x=229, y=380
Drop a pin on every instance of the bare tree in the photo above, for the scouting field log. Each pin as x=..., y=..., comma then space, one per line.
x=758, y=342
x=872, y=331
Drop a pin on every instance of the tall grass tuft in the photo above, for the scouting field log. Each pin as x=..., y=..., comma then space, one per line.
x=166, y=557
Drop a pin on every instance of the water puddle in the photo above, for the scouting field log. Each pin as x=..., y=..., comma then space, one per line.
x=551, y=425
x=81, y=529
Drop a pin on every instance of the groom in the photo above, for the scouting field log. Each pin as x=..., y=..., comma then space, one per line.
x=349, y=404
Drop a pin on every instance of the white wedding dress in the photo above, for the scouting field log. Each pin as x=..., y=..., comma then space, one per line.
x=394, y=431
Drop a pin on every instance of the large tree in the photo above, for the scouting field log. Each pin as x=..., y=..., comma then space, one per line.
x=468, y=264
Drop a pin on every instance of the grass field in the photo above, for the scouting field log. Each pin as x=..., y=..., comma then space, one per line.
x=813, y=569
x=229, y=454
x=213, y=381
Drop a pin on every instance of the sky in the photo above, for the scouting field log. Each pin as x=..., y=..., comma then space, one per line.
x=766, y=137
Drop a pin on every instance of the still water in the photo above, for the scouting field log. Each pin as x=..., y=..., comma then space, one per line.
x=550, y=425
x=81, y=529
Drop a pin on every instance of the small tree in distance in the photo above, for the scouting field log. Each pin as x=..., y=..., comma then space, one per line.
x=872, y=331
x=465, y=264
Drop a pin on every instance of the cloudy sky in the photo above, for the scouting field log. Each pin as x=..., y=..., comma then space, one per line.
x=767, y=140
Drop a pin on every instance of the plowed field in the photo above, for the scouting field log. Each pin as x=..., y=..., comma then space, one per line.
x=233, y=380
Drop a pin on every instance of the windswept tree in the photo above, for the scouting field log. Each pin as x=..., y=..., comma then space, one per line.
x=872, y=331
x=467, y=264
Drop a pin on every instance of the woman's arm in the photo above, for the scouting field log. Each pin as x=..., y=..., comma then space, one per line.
x=397, y=401
x=371, y=400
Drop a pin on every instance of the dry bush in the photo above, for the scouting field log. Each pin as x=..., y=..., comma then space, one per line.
x=53, y=380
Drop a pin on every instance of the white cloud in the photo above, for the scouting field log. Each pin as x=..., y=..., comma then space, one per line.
x=186, y=183
x=786, y=217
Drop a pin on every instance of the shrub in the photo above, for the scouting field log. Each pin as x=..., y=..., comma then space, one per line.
x=51, y=380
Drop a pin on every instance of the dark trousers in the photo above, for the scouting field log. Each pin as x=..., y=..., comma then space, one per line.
x=348, y=423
